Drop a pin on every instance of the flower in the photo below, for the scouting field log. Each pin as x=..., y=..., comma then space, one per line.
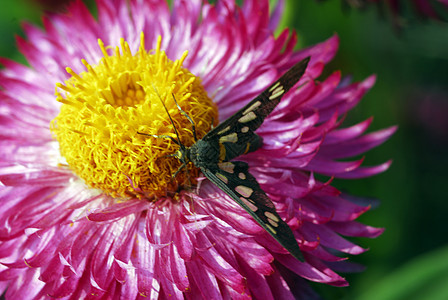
x=89, y=209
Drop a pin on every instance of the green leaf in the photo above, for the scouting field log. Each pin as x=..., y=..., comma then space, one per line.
x=425, y=277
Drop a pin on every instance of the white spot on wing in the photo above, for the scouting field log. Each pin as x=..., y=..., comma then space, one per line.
x=270, y=228
x=249, y=204
x=247, y=118
x=224, y=130
x=276, y=93
x=271, y=216
x=275, y=224
x=252, y=107
x=274, y=86
x=231, y=138
x=244, y=191
x=227, y=167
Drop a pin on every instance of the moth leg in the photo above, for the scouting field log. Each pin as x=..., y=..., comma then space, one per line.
x=183, y=166
x=193, y=126
x=188, y=177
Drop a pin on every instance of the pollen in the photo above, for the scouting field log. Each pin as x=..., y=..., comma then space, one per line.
x=112, y=127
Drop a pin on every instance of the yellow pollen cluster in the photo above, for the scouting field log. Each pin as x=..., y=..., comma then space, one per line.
x=107, y=107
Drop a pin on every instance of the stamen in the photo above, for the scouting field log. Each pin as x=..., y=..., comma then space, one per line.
x=105, y=107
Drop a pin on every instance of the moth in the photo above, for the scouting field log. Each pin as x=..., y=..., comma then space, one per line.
x=234, y=137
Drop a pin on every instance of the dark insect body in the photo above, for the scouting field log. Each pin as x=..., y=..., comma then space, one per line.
x=234, y=137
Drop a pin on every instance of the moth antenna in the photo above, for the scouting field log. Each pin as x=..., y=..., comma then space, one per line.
x=169, y=116
x=163, y=136
x=193, y=126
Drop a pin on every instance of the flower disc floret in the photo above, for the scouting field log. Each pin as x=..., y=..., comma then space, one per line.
x=111, y=111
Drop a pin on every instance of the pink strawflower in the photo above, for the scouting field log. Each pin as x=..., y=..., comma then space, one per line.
x=82, y=217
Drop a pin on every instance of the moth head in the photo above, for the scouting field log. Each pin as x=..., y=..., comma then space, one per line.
x=182, y=154
x=179, y=155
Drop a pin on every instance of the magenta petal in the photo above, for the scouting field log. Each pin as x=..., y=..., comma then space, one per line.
x=35, y=177
x=324, y=51
x=349, y=148
x=330, y=239
x=256, y=282
x=279, y=287
x=170, y=290
x=276, y=15
x=52, y=271
x=340, y=135
x=323, y=254
x=122, y=265
x=217, y=266
x=101, y=272
x=44, y=250
x=336, y=280
x=362, y=172
x=183, y=242
x=255, y=256
x=356, y=229
x=66, y=287
x=129, y=288
x=306, y=270
x=60, y=238
x=178, y=270
x=144, y=264
x=29, y=287
x=118, y=210
x=209, y=288
x=332, y=168
x=346, y=211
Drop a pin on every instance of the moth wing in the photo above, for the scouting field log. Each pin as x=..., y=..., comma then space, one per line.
x=250, y=117
x=235, y=180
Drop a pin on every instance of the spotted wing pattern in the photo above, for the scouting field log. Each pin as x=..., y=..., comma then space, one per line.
x=235, y=137
x=236, y=133
x=236, y=181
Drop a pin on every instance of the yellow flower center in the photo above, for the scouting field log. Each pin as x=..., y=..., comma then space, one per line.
x=107, y=109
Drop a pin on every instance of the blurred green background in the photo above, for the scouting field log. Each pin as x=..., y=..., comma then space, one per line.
x=410, y=260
